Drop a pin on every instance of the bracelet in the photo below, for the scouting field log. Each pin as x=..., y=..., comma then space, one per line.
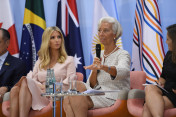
x=109, y=68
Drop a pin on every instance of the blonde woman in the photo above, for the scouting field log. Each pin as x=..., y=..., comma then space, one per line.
x=26, y=93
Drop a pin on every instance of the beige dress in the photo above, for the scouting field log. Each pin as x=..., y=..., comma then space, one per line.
x=121, y=60
x=38, y=77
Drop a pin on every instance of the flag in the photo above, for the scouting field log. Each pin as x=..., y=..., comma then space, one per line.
x=7, y=22
x=33, y=27
x=147, y=52
x=67, y=21
x=102, y=8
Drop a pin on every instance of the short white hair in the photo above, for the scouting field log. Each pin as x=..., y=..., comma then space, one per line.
x=116, y=27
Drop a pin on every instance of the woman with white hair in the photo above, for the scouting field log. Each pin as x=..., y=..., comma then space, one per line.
x=114, y=72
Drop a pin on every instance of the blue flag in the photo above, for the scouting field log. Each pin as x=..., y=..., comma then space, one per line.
x=33, y=27
x=67, y=21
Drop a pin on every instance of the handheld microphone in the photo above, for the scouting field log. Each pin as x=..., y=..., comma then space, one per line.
x=98, y=50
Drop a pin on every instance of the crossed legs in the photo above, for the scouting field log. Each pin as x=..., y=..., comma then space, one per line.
x=155, y=102
x=20, y=100
x=77, y=106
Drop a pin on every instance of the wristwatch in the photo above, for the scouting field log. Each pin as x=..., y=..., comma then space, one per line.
x=109, y=68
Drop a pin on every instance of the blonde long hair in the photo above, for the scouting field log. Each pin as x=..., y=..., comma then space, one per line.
x=44, y=53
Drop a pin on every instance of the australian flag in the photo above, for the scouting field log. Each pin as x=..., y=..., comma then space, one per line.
x=67, y=21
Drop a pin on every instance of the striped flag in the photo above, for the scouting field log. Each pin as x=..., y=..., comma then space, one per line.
x=33, y=27
x=103, y=8
x=67, y=21
x=7, y=22
x=148, y=52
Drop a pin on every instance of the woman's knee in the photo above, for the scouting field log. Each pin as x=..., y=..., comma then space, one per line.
x=80, y=86
x=152, y=89
x=14, y=91
x=73, y=100
x=24, y=84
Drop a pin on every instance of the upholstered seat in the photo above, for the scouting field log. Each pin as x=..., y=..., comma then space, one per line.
x=1, y=114
x=136, y=98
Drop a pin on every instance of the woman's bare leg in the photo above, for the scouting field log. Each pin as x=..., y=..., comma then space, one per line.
x=25, y=99
x=67, y=108
x=146, y=111
x=80, y=105
x=154, y=100
x=14, y=102
x=67, y=105
x=77, y=106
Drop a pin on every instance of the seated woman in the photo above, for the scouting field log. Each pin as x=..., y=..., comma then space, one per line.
x=26, y=94
x=156, y=99
x=114, y=72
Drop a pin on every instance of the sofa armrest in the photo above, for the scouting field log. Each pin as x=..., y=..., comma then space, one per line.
x=6, y=96
x=123, y=95
x=136, y=94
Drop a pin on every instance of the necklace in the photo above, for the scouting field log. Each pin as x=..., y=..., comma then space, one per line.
x=110, y=52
